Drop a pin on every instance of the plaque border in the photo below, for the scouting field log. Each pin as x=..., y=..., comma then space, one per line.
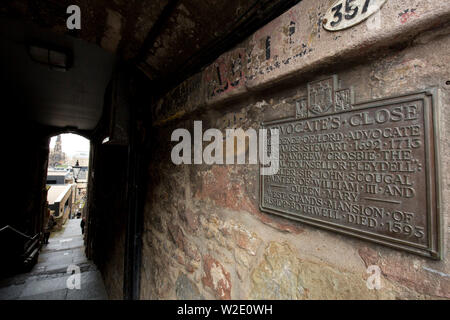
x=434, y=249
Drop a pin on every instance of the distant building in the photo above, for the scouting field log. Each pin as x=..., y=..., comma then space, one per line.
x=59, y=177
x=60, y=200
x=82, y=157
x=57, y=157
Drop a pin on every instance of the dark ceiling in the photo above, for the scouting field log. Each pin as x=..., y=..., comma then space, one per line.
x=168, y=40
x=53, y=98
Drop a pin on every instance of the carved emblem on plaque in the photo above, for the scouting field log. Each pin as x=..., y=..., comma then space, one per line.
x=344, y=100
x=321, y=95
x=324, y=97
x=301, y=108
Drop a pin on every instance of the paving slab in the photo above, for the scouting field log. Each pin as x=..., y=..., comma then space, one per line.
x=48, y=278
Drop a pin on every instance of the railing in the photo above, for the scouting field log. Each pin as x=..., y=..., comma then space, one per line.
x=22, y=248
x=8, y=227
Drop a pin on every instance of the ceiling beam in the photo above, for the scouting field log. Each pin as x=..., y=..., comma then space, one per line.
x=259, y=14
x=155, y=31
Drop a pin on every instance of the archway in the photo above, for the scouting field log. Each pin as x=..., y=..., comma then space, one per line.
x=67, y=182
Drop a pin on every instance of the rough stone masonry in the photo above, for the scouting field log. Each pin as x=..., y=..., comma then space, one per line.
x=204, y=234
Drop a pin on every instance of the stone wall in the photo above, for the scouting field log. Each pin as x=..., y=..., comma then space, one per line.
x=106, y=215
x=204, y=235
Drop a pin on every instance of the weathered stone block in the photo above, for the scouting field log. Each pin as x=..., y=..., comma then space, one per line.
x=186, y=289
x=216, y=278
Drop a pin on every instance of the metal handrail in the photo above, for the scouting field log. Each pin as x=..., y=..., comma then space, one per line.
x=18, y=232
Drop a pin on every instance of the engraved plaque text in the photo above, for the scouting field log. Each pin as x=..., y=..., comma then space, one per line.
x=367, y=170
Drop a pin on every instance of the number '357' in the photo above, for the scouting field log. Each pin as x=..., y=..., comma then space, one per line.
x=349, y=12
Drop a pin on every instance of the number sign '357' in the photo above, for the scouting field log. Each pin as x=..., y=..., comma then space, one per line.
x=344, y=14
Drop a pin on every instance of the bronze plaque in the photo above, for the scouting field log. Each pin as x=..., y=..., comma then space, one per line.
x=367, y=170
